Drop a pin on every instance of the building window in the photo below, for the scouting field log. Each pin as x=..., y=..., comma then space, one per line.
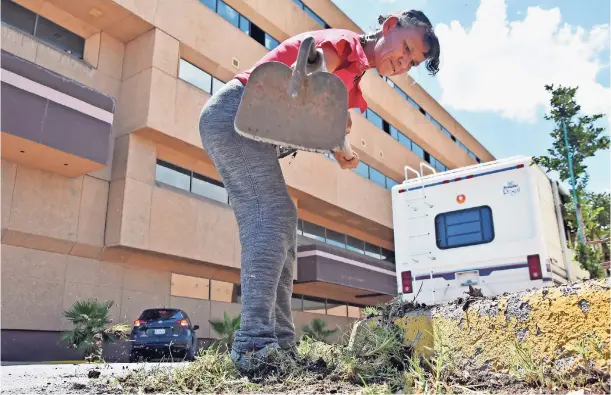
x=313, y=231
x=207, y=187
x=437, y=165
x=314, y=305
x=445, y=131
x=216, y=85
x=390, y=183
x=362, y=168
x=297, y=302
x=231, y=15
x=427, y=115
x=388, y=255
x=338, y=309
x=415, y=148
x=466, y=227
x=244, y=25
x=377, y=177
x=370, y=173
x=172, y=175
x=198, y=77
x=210, y=3
x=373, y=251
x=434, y=121
x=335, y=238
x=43, y=29
x=344, y=241
x=356, y=245
x=374, y=118
x=241, y=22
x=311, y=13
x=178, y=177
x=270, y=42
x=377, y=120
x=418, y=150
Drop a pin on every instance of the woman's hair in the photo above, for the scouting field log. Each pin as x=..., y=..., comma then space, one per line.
x=417, y=18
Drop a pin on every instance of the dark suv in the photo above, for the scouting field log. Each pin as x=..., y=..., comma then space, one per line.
x=161, y=333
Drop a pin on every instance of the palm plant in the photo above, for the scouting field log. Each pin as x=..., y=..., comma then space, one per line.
x=226, y=328
x=92, y=328
x=318, y=330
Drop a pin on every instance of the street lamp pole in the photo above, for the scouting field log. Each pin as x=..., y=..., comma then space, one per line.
x=572, y=176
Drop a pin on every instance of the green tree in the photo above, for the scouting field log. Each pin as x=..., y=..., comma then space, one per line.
x=602, y=200
x=92, y=328
x=226, y=328
x=317, y=330
x=595, y=213
x=582, y=141
x=585, y=139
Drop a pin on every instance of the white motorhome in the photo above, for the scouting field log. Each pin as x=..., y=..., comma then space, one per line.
x=497, y=226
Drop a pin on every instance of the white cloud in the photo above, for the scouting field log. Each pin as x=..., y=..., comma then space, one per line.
x=502, y=66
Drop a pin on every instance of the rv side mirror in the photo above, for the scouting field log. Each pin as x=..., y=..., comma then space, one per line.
x=195, y=327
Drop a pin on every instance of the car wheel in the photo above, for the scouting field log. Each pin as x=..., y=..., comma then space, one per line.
x=192, y=351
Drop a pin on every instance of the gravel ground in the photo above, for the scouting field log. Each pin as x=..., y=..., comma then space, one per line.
x=64, y=379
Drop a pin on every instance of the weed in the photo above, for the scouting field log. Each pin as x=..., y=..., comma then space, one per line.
x=415, y=377
x=440, y=363
x=370, y=311
x=525, y=367
x=591, y=348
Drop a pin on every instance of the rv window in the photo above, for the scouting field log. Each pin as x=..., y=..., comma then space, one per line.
x=463, y=228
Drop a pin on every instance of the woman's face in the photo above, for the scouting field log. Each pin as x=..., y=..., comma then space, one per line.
x=399, y=48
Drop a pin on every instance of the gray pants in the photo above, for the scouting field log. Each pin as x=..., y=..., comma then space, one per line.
x=267, y=222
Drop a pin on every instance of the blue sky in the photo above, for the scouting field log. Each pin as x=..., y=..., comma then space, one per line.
x=497, y=55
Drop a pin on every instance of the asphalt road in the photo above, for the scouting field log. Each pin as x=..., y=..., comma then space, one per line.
x=65, y=379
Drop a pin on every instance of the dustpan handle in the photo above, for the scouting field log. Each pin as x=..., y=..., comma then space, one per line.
x=307, y=54
x=347, y=149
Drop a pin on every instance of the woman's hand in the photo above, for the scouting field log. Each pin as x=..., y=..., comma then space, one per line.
x=339, y=156
x=345, y=163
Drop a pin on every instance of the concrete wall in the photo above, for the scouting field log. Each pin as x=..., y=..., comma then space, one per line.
x=38, y=286
x=51, y=212
x=548, y=323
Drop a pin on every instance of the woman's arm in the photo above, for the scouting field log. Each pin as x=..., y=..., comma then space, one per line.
x=332, y=59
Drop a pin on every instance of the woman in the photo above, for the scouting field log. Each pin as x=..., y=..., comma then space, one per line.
x=250, y=170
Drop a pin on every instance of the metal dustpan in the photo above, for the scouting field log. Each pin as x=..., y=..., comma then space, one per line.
x=304, y=107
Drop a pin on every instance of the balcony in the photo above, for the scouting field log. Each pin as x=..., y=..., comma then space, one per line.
x=51, y=122
x=323, y=269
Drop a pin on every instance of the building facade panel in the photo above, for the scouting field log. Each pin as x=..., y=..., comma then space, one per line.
x=46, y=109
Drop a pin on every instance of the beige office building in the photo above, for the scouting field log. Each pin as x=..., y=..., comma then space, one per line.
x=107, y=192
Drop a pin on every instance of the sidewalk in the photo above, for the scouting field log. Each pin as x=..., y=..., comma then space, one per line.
x=17, y=363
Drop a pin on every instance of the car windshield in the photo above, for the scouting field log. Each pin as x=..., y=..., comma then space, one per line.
x=149, y=315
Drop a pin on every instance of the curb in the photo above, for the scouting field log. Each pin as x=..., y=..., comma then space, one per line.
x=551, y=325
